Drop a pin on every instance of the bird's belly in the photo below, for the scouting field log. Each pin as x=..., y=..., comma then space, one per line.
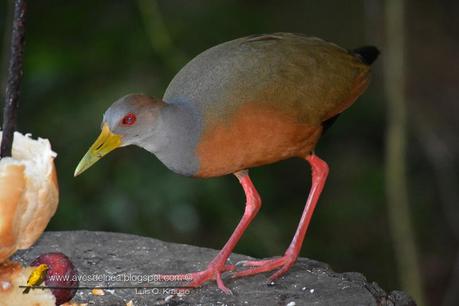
x=253, y=136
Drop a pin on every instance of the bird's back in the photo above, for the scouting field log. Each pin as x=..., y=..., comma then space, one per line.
x=305, y=77
x=264, y=98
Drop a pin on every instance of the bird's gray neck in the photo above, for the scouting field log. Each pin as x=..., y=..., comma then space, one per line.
x=175, y=137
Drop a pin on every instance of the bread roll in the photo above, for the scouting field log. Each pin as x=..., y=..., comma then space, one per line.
x=29, y=193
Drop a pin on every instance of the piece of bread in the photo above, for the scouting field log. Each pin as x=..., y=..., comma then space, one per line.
x=13, y=275
x=29, y=193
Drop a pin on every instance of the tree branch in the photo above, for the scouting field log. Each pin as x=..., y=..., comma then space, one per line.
x=14, y=78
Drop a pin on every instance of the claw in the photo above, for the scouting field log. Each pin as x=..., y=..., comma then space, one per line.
x=222, y=286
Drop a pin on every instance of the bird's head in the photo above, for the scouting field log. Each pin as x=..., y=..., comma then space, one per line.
x=42, y=268
x=127, y=121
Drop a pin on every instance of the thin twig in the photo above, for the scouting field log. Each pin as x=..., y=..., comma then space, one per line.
x=14, y=78
x=396, y=179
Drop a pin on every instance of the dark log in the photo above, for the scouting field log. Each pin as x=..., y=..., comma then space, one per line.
x=100, y=254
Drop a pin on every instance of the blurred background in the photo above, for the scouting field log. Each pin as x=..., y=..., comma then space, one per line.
x=390, y=207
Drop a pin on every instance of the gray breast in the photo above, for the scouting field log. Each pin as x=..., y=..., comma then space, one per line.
x=178, y=132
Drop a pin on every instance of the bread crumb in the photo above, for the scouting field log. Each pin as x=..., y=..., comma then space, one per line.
x=97, y=291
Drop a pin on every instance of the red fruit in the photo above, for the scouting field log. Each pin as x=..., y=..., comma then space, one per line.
x=61, y=273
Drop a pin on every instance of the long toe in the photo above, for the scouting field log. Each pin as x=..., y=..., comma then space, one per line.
x=256, y=263
x=197, y=279
x=266, y=265
x=284, y=269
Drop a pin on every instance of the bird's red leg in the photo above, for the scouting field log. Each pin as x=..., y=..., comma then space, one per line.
x=218, y=265
x=319, y=176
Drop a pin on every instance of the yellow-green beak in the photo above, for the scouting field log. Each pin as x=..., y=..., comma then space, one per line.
x=105, y=143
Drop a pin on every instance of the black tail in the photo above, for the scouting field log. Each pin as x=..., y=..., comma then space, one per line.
x=367, y=54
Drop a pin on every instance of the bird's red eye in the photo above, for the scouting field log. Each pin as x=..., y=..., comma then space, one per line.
x=129, y=119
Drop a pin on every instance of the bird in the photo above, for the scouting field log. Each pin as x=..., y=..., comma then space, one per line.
x=36, y=277
x=244, y=103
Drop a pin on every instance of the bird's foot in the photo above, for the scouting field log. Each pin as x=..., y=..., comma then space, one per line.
x=283, y=263
x=214, y=271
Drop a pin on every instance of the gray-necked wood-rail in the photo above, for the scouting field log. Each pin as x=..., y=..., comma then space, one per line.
x=244, y=103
